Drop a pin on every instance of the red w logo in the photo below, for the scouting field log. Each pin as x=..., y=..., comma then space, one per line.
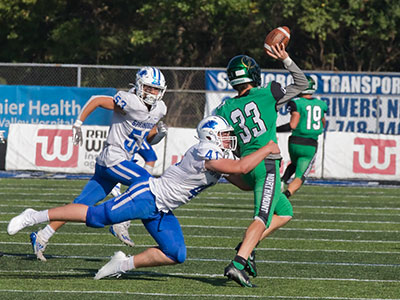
x=54, y=149
x=374, y=156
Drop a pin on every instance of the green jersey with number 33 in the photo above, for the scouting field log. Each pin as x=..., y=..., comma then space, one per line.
x=253, y=118
x=311, y=113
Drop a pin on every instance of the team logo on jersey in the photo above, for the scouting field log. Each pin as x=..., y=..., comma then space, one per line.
x=374, y=156
x=54, y=148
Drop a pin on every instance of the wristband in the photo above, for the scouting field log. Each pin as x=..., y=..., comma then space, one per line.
x=78, y=123
x=287, y=61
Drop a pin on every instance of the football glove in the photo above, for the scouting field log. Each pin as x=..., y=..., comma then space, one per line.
x=77, y=133
x=162, y=131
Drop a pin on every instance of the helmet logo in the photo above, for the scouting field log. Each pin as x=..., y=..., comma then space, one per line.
x=247, y=62
x=210, y=124
x=142, y=72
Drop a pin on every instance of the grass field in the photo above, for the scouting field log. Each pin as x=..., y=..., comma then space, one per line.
x=343, y=243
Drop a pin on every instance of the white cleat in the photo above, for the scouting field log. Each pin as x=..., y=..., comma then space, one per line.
x=113, y=268
x=120, y=231
x=116, y=191
x=21, y=221
x=38, y=245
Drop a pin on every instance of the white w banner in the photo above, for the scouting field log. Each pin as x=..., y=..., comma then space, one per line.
x=340, y=156
x=362, y=156
x=49, y=148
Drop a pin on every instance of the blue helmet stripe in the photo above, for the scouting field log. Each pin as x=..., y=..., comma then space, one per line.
x=155, y=77
x=159, y=76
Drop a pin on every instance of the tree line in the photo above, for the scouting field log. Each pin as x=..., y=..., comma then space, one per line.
x=337, y=35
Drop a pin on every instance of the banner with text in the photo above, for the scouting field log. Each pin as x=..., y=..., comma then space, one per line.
x=49, y=148
x=361, y=156
x=340, y=155
x=357, y=102
x=48, y=105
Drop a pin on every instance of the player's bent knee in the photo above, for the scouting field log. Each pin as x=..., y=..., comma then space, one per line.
x=178, y=254
x=95, y=217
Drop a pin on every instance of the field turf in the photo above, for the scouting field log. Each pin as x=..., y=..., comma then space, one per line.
x=343, y=243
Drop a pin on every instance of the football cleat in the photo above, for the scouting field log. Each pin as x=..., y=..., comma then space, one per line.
x=38, y=245
x=113, y=268
x=239, y=276
x=120, y=231
x=21, y=221
x=251, y=262
x=116, y=191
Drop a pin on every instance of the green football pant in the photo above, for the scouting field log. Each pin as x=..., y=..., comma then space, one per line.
x=303, y=156
x=268, y=198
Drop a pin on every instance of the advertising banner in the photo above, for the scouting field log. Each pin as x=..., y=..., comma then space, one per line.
x=49, y=148
x=362, y=156
x=343, y=156
x=48, y=105
x=357, y=102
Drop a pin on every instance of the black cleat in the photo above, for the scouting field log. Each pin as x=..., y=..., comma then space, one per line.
x=251, y=262
x=237, y=275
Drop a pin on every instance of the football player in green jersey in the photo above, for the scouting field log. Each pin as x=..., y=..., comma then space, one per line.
x=252, y=114
x=307, y=122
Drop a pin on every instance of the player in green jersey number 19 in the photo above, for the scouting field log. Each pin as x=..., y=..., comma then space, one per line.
x=307, y=122
x=252, y=114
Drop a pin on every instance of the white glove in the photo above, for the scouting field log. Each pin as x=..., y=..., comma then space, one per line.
x=77, y=133
x=228, y=154
x=162, y=128
x=162, y=131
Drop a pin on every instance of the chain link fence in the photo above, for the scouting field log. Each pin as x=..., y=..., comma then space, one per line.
x=185, y=96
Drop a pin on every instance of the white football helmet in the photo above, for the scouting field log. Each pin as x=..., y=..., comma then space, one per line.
x=211, y=128
x=152, y=77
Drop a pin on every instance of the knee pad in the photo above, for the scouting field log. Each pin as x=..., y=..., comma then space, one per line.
x=95, y=217
x=177, y=254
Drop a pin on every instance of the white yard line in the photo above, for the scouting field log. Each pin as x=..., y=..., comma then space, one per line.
x=186, y=295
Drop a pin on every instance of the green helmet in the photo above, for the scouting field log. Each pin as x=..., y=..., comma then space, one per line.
x=242, y=69
x=311, y=86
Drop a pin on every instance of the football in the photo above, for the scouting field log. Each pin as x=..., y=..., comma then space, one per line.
x=277, y=36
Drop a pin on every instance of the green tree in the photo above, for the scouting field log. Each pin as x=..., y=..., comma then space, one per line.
x=352, y=35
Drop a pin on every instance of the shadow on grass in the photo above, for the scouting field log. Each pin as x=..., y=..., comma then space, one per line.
x=32, y=257
x=150, y=275
x=89, y=273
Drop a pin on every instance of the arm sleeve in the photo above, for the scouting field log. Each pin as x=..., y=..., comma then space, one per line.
x=292, y=106
x=300, y=83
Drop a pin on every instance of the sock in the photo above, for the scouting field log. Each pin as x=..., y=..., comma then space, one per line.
x=128, y=264
x=41, y=216
x=239, y=262
x=287, y=193
x=149, y=169
x=46, y=233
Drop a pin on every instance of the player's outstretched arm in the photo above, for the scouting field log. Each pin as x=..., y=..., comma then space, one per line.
x=300, y=82
x=94, y=102
x=106, y=102
x=245, y=164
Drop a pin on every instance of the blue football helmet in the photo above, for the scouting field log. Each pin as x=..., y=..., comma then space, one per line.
x=210, y=129
x=151, y=77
